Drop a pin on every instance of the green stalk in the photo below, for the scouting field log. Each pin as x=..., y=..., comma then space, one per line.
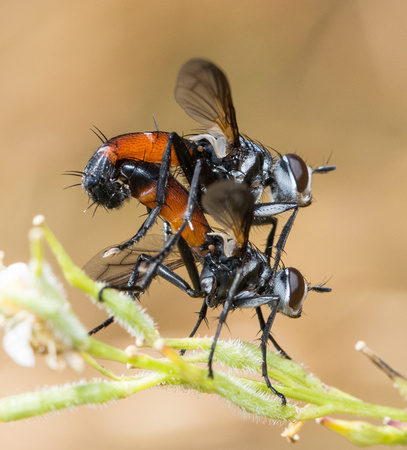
x=33, y=404
x=125, y=310
x=36, y=297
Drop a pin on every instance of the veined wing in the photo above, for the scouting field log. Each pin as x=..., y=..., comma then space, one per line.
x=114, y=266
x=203, y=91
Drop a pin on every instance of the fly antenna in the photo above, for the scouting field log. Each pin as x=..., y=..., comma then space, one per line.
x=320, y=288
x=324, y=168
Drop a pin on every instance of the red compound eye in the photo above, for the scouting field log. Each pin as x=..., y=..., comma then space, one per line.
x=297, y=288
x=299, y=170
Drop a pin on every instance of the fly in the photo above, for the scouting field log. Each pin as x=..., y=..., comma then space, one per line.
x=203, y=91
x=234, y=273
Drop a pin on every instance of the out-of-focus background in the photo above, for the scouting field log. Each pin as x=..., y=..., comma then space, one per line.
x=324, y=79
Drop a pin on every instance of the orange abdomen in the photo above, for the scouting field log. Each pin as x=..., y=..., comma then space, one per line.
x=142, y=179
x=147, y=147
x=173, y=211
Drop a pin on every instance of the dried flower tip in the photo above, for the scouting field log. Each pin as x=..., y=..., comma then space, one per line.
x=291, y=431
x=159, y=344
x=38, y=220
x=131, y=351
x=388, y=370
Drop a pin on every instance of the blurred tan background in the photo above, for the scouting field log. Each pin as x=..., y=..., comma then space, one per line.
x=320, y=78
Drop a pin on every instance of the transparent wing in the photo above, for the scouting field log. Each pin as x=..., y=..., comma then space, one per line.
x=115, y=269
x=231, y=204
x=203, y=91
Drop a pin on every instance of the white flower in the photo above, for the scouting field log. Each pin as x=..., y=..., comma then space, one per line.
x=30, y=306
x=16, y=343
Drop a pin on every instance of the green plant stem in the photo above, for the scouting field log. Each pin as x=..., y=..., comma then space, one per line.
x=327, y=403
x=125, y=310
x=44, y=300
x=36, y=403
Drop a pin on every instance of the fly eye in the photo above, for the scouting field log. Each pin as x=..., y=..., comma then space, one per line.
x=299, y=170
x=298, y=289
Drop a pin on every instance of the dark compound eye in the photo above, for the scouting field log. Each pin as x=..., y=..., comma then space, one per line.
x=297, y=288
x=299, y=170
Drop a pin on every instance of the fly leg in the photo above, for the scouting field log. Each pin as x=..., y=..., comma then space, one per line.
x=201, y=318
x=108, y=321
x=283, y=239
x=274, y=342
x=264, y=213
x=268, y=254
x=174, y=239
x=270, y=239
x=104, y=324
x=227, y=306
x=185, y=159
x=263, y=347
x=173, y=139
x=162, y=270
x=190, y=265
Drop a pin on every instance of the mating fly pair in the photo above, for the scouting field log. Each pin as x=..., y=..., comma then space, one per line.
x=234, y=273
x=143, y=160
